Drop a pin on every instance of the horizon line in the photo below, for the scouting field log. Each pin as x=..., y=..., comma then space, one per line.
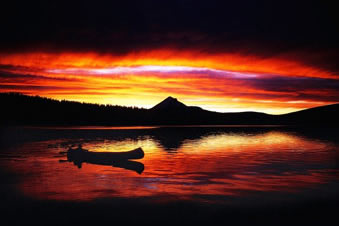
x=143, y=108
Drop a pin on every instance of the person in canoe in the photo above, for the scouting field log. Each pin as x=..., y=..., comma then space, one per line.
x=76, y=155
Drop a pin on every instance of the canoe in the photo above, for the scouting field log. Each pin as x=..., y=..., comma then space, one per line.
x=103, y=158
x=115, y=159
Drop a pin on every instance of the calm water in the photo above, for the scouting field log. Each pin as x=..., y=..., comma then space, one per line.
x=205, y=164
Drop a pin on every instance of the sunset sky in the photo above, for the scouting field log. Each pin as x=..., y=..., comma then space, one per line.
x=225, y=57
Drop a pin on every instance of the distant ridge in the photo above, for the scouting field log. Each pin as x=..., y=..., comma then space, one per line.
x=328, y=114
x=20, y=109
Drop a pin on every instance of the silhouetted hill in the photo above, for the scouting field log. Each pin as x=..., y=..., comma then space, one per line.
x=169, y=104
x=328, y=114
x=33, y=110
x=171, y=111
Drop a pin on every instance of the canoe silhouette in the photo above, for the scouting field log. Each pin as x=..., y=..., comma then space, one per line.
x=89, y=156
x=115, y=159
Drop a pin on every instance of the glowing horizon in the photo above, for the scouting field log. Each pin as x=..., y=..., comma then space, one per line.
x=218, y=82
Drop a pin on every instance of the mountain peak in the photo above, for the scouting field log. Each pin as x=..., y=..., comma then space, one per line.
x=169, y=103
x=170, y=99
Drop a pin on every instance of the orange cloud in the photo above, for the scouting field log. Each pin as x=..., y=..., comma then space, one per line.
x=221, y=82
x=165, y=57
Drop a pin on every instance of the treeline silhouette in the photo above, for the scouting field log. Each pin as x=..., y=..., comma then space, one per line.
x=19, y=109
x=35, y=110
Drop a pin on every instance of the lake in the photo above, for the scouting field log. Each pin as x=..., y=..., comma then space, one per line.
x=187, y=172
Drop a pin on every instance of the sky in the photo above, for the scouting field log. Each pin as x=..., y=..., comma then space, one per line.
x=274, y=57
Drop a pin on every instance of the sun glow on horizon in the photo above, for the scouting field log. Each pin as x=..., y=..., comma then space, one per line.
x=218, y=82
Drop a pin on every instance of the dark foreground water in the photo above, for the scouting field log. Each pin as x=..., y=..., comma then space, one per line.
x=230, y=175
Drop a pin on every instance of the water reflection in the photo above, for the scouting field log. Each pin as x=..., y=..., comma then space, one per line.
x=186, y=163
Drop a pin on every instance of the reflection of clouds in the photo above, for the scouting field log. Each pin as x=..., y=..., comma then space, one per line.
x=225, y=162
x=272, y=141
